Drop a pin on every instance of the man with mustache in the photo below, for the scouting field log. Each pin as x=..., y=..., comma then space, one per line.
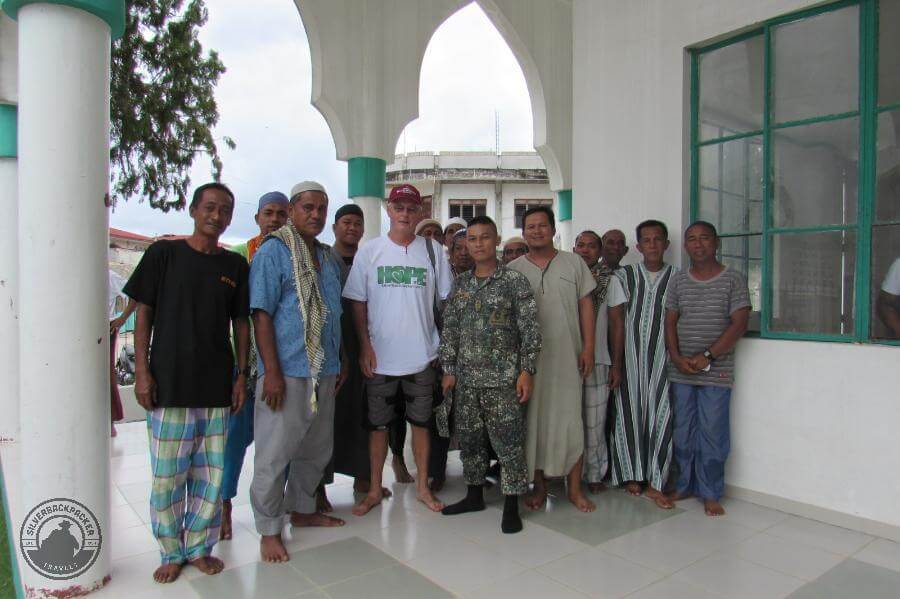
x=295, y=298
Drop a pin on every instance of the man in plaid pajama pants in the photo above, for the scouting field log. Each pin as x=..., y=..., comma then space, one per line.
x=188, y=291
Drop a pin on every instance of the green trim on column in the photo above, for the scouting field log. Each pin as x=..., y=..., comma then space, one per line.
x=8, y=128
x=15, y=580
x=111, y=11
x=365, y=177
x=565, y=204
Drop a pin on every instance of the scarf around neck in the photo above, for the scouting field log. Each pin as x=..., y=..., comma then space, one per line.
x=312, y=307
x=602, y=274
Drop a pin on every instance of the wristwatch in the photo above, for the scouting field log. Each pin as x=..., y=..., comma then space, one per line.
x=708, y=355
x=244, y=371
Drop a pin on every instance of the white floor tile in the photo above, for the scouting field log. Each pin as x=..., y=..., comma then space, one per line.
x=818, y=534
x=673, y=589
x=533, y=546
x=127, y=542
x=463, y=572
x=123, y=516
x=596, y=573
x=411, y=540
x=881, y=552
x=527, y=585
x=655, y=550
x=699, y=530
x=789, y=557
x=738, y=579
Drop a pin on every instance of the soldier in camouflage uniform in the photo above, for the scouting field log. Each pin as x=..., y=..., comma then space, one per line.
x=489, y=349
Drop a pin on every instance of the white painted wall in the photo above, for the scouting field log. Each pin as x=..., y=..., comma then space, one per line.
x=467, y=191
x=812, y=422
x=514, y=191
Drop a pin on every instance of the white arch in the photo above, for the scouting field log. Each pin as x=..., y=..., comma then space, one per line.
x=367, y=60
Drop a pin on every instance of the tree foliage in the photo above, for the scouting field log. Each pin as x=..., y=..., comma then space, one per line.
x=162, y=105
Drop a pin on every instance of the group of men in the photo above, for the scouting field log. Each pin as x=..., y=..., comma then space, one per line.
x=321, y=356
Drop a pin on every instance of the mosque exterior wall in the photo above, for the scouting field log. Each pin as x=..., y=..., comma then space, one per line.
x=813, y=422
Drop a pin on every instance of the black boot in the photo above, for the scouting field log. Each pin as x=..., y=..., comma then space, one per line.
x=473, y=502
x=511, y=523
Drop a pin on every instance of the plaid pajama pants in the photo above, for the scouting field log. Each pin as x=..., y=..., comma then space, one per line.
x=187, y=457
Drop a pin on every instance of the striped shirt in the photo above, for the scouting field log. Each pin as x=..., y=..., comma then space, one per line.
x=704, y=312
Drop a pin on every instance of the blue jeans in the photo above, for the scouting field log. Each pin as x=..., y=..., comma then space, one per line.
x=240, y=436
x=702, y=438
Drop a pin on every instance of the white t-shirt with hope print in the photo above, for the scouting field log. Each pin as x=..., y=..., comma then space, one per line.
x=399, y=283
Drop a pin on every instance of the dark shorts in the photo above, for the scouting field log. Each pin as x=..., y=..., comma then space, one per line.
x=417, y=389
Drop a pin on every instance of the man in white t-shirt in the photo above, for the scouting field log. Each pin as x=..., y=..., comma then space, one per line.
x=888, y=304
x=608, y=302
x=396, y=284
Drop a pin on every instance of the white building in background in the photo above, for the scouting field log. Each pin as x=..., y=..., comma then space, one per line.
x=467, y=184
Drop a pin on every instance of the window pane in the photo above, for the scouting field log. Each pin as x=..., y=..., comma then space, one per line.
x=888, y=52
x=886, y=282
x=731, y=89
x=887, y=197
x=816, y=65
x=743, y=254
x=815, y=174
x=813, y=282
x=731, y=185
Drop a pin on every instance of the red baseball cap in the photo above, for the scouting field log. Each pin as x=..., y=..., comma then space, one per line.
x=405, y=192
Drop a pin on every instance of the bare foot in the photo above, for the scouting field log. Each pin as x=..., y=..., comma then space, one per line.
x=385, y=492
x=659, y=499
x=314, y=519
x=112, y=431
x=167, y=573
x=225, y=530
x=272, y=549
x=536, y=499
x=430, y=501
x=580, y=500
x=713, y=508
x=401, y=472
x=633, y=488
x=367, y=503
x=436, y=484
x=322, y=503
x=361, y=485
x=595, y=488
x=208, y=565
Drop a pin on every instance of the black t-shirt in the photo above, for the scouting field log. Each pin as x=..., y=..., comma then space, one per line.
x=194, y=296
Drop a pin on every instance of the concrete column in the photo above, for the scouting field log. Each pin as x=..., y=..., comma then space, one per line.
x=9, y=278
x=64, y=66
x=365, y=186
x=564, y=218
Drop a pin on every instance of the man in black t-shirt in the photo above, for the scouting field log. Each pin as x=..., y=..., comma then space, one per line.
x=188, y=291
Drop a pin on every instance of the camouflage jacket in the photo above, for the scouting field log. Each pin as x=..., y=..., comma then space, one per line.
x=491, y=330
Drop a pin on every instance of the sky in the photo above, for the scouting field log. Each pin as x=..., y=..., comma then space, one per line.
x=468, y=75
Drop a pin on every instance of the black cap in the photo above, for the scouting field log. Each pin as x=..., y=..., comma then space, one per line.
x=348, y=209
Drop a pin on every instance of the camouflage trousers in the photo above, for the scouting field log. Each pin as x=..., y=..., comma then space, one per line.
x=492, y=415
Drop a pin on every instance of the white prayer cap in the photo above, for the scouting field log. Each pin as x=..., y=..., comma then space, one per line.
x=307, y=186
x=456, y=220
x=513, y=240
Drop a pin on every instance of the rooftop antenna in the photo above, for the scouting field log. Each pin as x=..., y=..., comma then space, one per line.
x=497, y=135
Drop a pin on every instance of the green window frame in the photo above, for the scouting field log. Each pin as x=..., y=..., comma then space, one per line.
x=867, y=112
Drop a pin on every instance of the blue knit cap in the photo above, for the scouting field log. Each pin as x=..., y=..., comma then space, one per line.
x=273, y=197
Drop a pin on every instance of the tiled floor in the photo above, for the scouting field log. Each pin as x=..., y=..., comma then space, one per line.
x=627, y=548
